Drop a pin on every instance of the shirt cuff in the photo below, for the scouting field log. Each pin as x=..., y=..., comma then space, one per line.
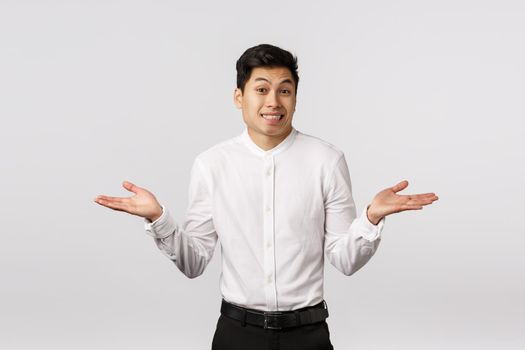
x=369, y=231
x=162, y=227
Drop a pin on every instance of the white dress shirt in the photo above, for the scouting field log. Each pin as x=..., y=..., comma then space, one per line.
x=276, y=213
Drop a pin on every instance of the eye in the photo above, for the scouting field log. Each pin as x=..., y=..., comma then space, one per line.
x=286, y=91
x=261, y=89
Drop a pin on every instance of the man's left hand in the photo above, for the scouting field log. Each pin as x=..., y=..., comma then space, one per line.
x=389, y=202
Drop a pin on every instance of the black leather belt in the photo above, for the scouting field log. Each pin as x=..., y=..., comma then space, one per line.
x=276, y=319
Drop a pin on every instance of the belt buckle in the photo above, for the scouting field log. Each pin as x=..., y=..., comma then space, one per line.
x=266, y=326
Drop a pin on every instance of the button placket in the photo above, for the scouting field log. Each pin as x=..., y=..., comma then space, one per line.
x=268, y=247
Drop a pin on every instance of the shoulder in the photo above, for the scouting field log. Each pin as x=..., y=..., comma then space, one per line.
x=318, y=148
x=217, y=152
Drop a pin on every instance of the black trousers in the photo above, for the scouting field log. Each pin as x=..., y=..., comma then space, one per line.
x=231, y=335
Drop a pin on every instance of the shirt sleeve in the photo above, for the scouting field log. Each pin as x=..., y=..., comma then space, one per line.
x=350, y=241
x=190, y=245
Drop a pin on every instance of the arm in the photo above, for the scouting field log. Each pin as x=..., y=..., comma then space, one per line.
x=350, y=241
x=190, y=245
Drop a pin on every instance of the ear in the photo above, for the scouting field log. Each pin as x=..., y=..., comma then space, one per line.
x=237, y=98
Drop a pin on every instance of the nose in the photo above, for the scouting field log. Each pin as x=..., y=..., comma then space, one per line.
x=272, y=99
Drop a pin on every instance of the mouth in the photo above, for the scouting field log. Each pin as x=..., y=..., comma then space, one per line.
x=272, y=117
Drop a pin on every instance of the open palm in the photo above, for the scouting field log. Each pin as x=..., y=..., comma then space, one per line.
x=388, y=202
x=143, y=203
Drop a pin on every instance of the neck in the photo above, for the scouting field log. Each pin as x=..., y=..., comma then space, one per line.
x=266, y=142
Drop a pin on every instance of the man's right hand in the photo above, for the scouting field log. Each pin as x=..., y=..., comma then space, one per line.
x=143, y=203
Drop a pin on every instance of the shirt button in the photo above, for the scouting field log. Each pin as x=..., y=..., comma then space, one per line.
x=268, y=209
x=269, y=172
x=268, y=244
x=269, y=279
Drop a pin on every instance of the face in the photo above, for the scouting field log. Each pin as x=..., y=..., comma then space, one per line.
x=268, y=93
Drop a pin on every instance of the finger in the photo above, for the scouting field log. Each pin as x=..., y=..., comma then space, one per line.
x=112, y=202
x=410, y=207
x=116, y=205
x=400, y=186
x=424, y=196
x=130, y=187
x=419, y=201
x=113, y=199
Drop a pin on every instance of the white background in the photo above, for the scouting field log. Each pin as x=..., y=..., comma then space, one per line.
x=96, y=92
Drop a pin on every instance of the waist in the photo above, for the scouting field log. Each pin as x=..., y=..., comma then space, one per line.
x=276, y=319
x=319, y=305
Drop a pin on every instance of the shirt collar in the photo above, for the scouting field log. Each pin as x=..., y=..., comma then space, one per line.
x=247, y=140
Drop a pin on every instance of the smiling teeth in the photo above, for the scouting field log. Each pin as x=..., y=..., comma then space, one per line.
x=271, y=117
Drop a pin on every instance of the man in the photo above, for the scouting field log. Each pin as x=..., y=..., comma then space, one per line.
x=279, y=201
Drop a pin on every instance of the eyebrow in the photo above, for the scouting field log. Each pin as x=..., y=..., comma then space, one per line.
x=282, y=82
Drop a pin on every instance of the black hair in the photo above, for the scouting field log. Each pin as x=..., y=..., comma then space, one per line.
x=264, y=55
